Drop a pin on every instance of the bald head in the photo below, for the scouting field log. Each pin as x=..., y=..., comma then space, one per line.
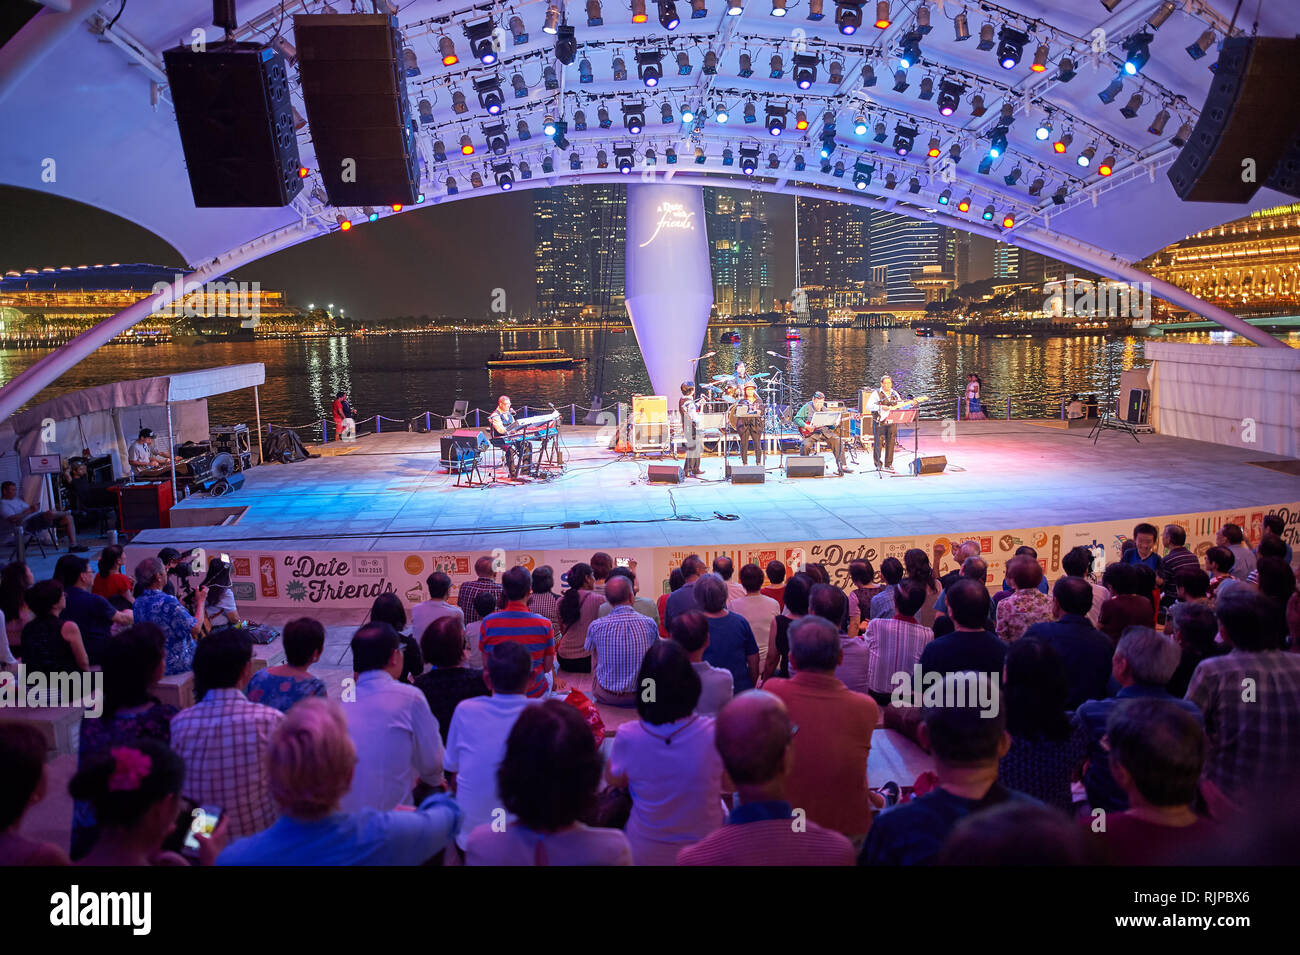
x=752, y=733
x=618, y=590
x=967, y=550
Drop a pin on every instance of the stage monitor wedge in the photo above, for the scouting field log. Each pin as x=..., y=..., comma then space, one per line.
x=664, y=474
x=1251, y=118
x=805, y=466
x=747, y=474
x=354, y=87
x=931, y=464
x=236, y=125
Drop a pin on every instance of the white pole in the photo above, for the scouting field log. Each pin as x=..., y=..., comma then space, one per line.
x=171, y=449
x=257, y=410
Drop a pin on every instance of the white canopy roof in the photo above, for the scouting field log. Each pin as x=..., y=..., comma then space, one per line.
x=94, y=103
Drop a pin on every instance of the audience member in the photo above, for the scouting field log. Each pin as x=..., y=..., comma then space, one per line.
x=683, y=599
x=93, y=614
x=1193, y=625
x=388, y=609
x=1142, y=666
x=427, y=611
x=1218, y=564
x=830, y=603
x=163, y=610
x=110, y=583
x=15, y=580
x=1046, y=751
x=1024, y=550
x=50, y=644
x=724, y=567
x=1177, y=558
x=1275, y=525
x=485, y=604
x=1027, y=605
x=755, y=736
x=23, y=784
x=1144, y=548
x=1085, y=650
x=1078, y=563
x=828, y=775
x=731, y=643
x=756, y=608
x=311, y=762
x=972, y=568
x=544, y=600
x=667, y=760
x=891, y=572
x=601, y=565
x=485, y=581
x=642, y=605
x=284, y=685
x=1015, y=833
x=516, y=624
x=775, y=588
x=1232, y=537
x=1276, y=581
x=547, y=780
x=970, y=646
x=391, y=725
x=449, y=680
x=476, y=741
x=132, y=664
x=578, y=607
x=691, y=630
x=1128, y=605
x=917, y=565
x=618, y=643
x=675, y=582
x=1250, y=698
x=797, y=590
x=895, y=644
x=963, y=552
x=863, y=576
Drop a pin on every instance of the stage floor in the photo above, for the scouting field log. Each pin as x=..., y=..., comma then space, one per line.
x=387, y=493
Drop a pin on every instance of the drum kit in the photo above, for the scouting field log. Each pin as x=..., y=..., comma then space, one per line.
x=722, y=393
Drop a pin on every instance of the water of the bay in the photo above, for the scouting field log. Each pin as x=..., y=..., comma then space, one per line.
x=402, y=376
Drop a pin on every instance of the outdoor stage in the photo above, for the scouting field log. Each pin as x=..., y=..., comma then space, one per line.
x=336, y=531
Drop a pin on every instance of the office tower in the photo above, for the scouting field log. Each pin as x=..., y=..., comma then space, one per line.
x=904, y=246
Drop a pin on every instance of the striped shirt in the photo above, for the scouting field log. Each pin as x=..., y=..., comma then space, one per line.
x=467, y=592
x=894, y=645
x=534, y=631
x=1178, y=560
x=620, y=641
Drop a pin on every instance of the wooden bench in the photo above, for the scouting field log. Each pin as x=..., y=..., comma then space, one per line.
x=177, y=689
x=60, y=725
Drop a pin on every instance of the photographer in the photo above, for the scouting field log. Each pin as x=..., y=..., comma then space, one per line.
x=220, y=602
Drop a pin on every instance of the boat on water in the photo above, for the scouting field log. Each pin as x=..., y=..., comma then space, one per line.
x=730, y=338
x=922, y=332
x=533, y=358
x=793, y=336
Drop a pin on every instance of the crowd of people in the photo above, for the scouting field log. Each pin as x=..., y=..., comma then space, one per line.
x=1135, y=719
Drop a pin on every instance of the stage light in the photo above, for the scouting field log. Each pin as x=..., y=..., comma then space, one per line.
x=815, y=10
x=566, y=47
x=1137, y=50
x=518, y=31
x=848, y=17
x=548, y=78
x=1036, y=187
x=710, y=67
x=1062, y=144
x=954, y=152
x=735, y=7
x=1110, y=92
x=881, y=133
x=497, y=140
x=303, y=172
x=585, y=74
x=945, y=197
x=688, y=115
x=623, y=159
x=558, y=129
x=668, y=18
x=525, y=171
x=475, y=180
x=828, y=146
x=964, y=205
x=1013, y=176
x=835, y=73
x=1157, y=127
x=868, y=75
x=1011, y=46
x=839, y=170
x=684, y=64
x=927, y=88
x=419, y=199
x=860, y=125
x=451, y=186
x=776, y=116
x=522, y=131
x=575, y=161
x=773, y=161
x=977, y=107
x=883, y=19
x=439, y=151
x=650, y=158
x=862, y=173
x=504, y=175
x=1008, y=220
x=776, y=68
x=911, y=51
x=489, y=94
x=619, y=69
x=1202, y=45
x=466, y=146
x=1043, y=131
x=950, y=95
x=997, y=141
x=666, y=112
x=548, y=165
x=594, y=17
x=891, y=180
x=904, y=137
x=720, y=115
x=985, y=165
x=649, y=67
x=801, y=120
x=458, y=105
x=1184, y=133
x=447, y=50
x=602, y=159
x=748, y=159
x=520, y=86
x=961, y=27
x=933, y=151
x=914, y=185
x=371, y=214
x=1110, y=5
x=778, y=8
x=728, y=157
x=800, y=164
x=1085, y=157
x=1132, y=107
x=1008, y=115
x=987, y=214
x=1163, y=12
x=746, y=66
x=634, y=117
x=1040, y=59
x=900, y=81
x=480, y=41
x=551, y=22
x=638, y=11
x=805, y=70
x=699, y=9
x=986, y=38
x=748, y=114
x=1066, y=69
x=670, y=156
x=602, y=118
x=344, y=222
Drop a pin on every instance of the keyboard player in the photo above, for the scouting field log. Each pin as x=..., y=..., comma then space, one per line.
x=143, y=456
x=504, y=436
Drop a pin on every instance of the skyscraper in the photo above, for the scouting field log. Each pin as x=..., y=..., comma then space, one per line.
x=741, y=246
x=1006, y=261
x=903, y=246
x=833, y=248
x=579, y=234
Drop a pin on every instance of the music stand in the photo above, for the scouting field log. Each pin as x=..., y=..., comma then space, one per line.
x=902, y=416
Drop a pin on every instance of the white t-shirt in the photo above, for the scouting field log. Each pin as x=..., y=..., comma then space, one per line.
x=139, y=454
x=760, y=611
x=676, y=787
x=517, y=845
x=853, y=669
x=476, y=744
x=12, y=508
x=425, y=613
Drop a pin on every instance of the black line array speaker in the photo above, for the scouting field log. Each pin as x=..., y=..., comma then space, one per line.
x=805, y=466
x=1138, y=406
x=354, y=86
x=1251, y=117
x=665, y=474
x=929, y=464
x=747, y=474
x=236, y=124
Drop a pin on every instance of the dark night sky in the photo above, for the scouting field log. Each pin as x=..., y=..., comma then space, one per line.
x=446, y=259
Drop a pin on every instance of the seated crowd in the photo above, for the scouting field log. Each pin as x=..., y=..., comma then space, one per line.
x=1150, y=717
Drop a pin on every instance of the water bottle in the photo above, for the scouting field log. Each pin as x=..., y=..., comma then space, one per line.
x=112, y=537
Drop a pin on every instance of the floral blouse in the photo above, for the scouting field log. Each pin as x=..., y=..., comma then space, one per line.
x=1020, y=611
x=156, y=607
x=282, y=692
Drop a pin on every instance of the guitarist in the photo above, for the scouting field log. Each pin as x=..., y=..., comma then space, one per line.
x=689, y=410
x=811, y=434
x=880, y=401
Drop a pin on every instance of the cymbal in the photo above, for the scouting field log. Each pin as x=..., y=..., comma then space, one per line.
x=761, y=374
x=707, y=387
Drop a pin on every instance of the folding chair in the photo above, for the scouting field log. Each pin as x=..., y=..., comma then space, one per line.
x=457, y=417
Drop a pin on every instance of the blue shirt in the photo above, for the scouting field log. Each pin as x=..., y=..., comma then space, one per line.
x=913, y=833
x=759, y=811
x=93, y=616
x=156, y=607
x=731, y=642
x=1151, y=560
x=367, y=837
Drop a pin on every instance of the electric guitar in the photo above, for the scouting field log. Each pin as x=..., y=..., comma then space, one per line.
x=901, y=406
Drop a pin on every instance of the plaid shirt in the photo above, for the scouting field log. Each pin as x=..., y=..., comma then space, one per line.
x=223, y=740
x=465, y=596
x=894, y=645
x=620, y=641
x=1251, y=739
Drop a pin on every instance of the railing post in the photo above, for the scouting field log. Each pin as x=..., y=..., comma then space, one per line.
x=379, y=424
x=476, y=410
x=1008, y=407
x=324, y=431
x=573, y=413
x=1062, y=408
x=428, y=423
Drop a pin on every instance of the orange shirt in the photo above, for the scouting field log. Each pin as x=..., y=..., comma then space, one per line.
x=828, y=778
x=114, y=585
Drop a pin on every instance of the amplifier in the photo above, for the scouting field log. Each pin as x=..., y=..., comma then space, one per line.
x=233, y=440
x=461, y=447
x=142, y=506
x=664, y=474
x=933, y=464
x=805, y=466
x=747, y=474
x=1137, y=406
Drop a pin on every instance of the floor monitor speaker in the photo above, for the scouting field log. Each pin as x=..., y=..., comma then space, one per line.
x=805, y=466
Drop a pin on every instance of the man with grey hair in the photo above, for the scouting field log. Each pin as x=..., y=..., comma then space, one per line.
x=167, y=613
x=731, y=639
x=973, y=568
x=618, y=643
x=964, y=552
x=754, y=736
x=828, y=778
x=1143, y=663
